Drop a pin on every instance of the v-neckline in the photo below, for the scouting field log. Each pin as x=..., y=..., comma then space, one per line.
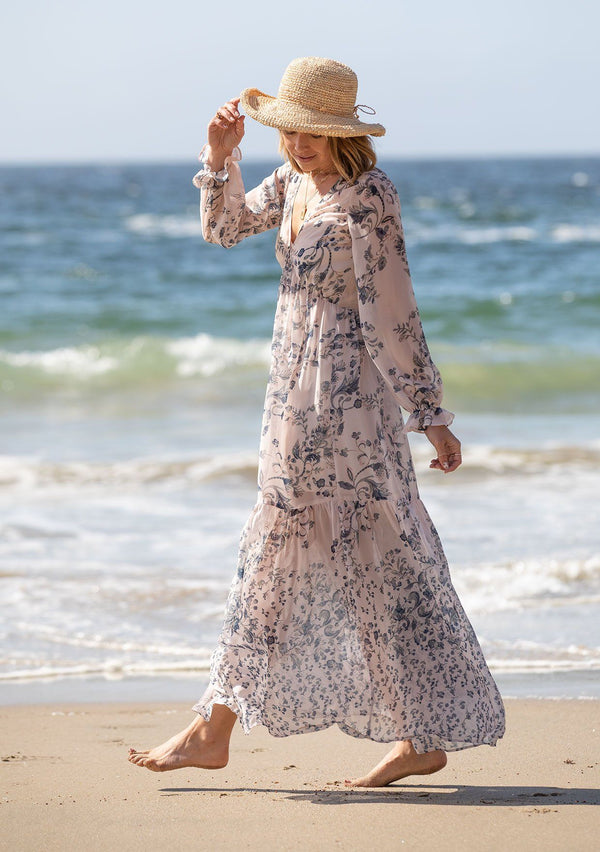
x=292, y=243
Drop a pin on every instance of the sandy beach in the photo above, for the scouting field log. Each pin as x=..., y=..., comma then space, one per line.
x=67, y=785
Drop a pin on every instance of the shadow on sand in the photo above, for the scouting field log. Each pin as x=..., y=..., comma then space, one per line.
x=421, y=794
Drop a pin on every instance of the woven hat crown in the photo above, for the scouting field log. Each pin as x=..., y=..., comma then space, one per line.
x=321, y=84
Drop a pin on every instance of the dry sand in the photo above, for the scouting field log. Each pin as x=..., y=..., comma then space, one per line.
x=67, y=785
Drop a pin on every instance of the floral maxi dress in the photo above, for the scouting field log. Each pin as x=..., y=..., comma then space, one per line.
x=343, y=611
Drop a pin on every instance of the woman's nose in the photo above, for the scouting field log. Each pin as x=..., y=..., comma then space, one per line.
x=302, y=141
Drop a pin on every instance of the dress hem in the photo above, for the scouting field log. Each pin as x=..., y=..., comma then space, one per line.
x=422, y=743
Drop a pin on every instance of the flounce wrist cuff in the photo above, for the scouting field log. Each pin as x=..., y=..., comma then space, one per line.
x=421, y=418
x=207, y=177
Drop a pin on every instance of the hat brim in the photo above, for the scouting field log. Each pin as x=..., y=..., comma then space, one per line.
x=286, y=115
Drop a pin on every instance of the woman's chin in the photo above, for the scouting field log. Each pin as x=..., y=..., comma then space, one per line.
x=307, y=165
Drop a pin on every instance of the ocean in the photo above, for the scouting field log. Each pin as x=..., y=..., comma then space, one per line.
x=133, y=365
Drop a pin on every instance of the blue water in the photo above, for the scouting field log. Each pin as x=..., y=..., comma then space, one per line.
x=133, y=361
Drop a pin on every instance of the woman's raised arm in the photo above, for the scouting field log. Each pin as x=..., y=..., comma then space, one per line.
x=228, y=213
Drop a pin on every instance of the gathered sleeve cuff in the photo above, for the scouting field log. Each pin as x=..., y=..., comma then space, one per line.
x=228, y=213
x=388, y=314
x=421, y=418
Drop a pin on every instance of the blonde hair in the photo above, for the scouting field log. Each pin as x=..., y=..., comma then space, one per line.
x=351, y=155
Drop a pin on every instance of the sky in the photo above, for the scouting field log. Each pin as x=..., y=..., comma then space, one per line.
x=120, y=80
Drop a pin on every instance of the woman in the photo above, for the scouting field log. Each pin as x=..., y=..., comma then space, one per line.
x=343, y=611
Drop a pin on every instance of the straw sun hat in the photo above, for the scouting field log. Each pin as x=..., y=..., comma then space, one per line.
x=315, y=96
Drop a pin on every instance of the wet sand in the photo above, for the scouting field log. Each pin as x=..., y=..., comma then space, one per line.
x=67, y=785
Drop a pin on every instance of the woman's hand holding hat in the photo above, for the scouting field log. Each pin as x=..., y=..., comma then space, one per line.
x=225, y=132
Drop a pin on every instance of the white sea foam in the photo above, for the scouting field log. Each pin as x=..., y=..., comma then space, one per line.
x=485, y=376
x=561, y=232
x=177, y=227
x=526, y=584
x=472, y=235
x=487, y=459
x=580, y=179
x=126, y=626
x=143, y=356
x=204, y=355
x=81, y=639
x=514, y=233
x=566, y=233
x=503, y=657
x=478, y=461
x=539, y=657
x=425, y=202
x=153, y=225
x=113, y=668
x=32, y=473
x=83, y=361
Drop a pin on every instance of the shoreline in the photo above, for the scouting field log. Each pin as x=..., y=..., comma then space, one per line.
x=534, y=790
x=558, y=686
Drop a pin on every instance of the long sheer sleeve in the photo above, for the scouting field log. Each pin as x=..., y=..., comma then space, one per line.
x=229, y=214
x=389, y=317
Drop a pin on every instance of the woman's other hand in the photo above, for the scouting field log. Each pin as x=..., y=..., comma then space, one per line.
x=447, y=447
x=225, y=132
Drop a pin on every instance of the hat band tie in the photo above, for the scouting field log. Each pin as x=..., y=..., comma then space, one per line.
x=363, y=108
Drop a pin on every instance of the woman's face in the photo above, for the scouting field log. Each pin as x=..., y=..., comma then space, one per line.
x=310, y=151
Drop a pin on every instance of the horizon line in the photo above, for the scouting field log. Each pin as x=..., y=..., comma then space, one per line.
x=126, y=161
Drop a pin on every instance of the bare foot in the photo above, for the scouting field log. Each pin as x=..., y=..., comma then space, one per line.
x=199, y=745
x=401, y=761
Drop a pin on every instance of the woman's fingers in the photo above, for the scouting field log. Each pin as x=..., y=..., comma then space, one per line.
x=225, y=130
x=228, y=113
x=447, y=461
x=231, y=109
x=226, y=116
x=452, y=463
